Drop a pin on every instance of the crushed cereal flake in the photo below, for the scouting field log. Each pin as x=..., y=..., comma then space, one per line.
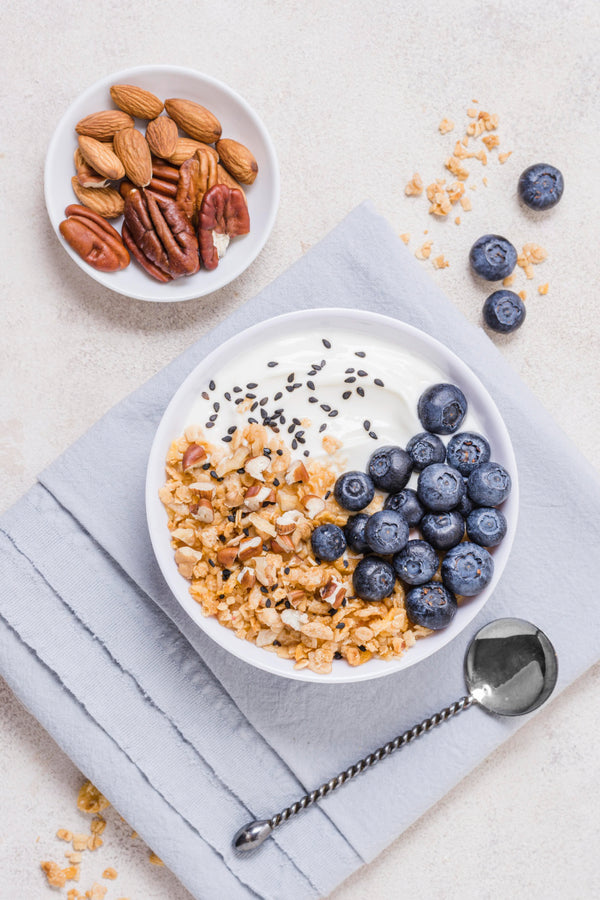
x=543, y=289
x=523, y=295
x=445, y=126
x=510, y=279
x=97, y=892
x=502, y=157
x=457, y=220
x=491, y=141
x=472, y=113
x=424, y=251
x=405, y=238
x=155, y=860
x=80, y=841
x=90, y=800
x=465, y=202
x=440, y=262
x=454, y=165
x=110, y=873
x=414, y=188
x=64, y=835
x=57, y=877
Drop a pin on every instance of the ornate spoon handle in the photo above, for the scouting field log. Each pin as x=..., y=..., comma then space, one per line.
x=252, y=835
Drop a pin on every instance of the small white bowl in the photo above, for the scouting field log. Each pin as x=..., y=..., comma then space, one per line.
x=239, y=122
x=324, y=321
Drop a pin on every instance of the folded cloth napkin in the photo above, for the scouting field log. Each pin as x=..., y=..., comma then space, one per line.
x=189, y=743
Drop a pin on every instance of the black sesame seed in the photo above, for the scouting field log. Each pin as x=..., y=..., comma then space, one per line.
x=232, y=429
x=323, y=363
x=238, y=401
x=211, y=562
x=268, y=602
x=291, y=429
x=237, y=389
x=327, y=495
x=317, y=367
x=345, y=564
x=349, y=371
x=288, y=605
x=211, y=385
x=206, y=466
x=366, y=425
x=278, y=411
x=282, y=420
x=362, y=373
x=289, y=388
x=331, y=611
x=240, y=471
x=252, y=421
x=266, y=548
x=231, y=518
x=213, y=418
x=216, y=407
x=205, y=395
x=362, y=647
x=323, y=427
x=274, y=587
x=246, y=530
x=209, y=425
x=263, y=589
x=264, y=401
x=266, y=451
x=226, y=439
x=221, y=596
x=306, y=452
x=360, y=353
x=278, y=396
x=332, y=414
x=327, y=344
x=296, y=385
x=251, y=385
x=344, y=601
x=291, y=377
x=277, y=643
x=294, y=444
x=301, y=440
x=296, y=421
x=226, y=573
x=253, y=407
x=272, y=364
x=310, y=385
x=379, y=382
x=337, y=655
x=312, y=400
x=287, y=570
x=325, y=407
x=264, y=414
x=347, y=394
x=340, y=625
x=279, y=452
x=350, y=380
x=227, y=395
x=373, y=435
x=276, y=482
x=360, y=391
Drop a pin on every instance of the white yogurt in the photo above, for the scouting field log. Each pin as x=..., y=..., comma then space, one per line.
x=386, y=414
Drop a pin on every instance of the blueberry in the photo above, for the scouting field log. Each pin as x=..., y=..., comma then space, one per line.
x=424, y=449
x=467, y=568
x=431, y=605
x=466, y=505
x=390, y=468
x=486, y=526
x=504, y=311
x=354, y=490
x=441, y=408
x=466, y=451
x=489, y=484
x=328, y=542
x=443, y=530
x=407, y=503
x=440, y=487
x=541, y=186
x=354, y=529
x=493, y=257
x=417, y=563
x=386, y=532
x=373, y=579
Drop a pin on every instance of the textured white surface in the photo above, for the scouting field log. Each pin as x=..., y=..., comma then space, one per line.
x=352, y=95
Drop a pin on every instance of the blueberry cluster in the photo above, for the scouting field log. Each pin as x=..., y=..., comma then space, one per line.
x=458, y=490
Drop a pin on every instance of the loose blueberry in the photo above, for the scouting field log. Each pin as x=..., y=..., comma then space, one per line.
x=386, y=532
x=440, y=487
x=504, y=311
x=493, y=257
x=417, y=563
x=424, y=449
x=442, y=408
x=466, y=504
x=390, y=468
x=373, y=579
x=486, y=526
x=466, y=451
x=354, y=529
x=467, y=569
x=431, y=605
x=328, y=542
x=489, y=484
x=354, y=490
x=541, y=186
x=407, y=503
x=443, y=530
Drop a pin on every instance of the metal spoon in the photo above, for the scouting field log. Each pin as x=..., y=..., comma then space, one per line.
x=510, y=669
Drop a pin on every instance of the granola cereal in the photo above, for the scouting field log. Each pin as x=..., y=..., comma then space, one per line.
x=250, y=562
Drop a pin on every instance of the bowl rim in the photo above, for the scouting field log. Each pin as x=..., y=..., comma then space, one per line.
x=275, y=193
x=222, y=635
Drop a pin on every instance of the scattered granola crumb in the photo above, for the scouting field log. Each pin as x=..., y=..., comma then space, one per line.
x=531, y=255
x=424, y=251
x=80, y=841
x=94, y=841
x=97, y=892
x=485, y=181
x=455, y=191
x=155, y=860
x=445, y=126
x=330, y=444
x=74, y=858
x=491, y=141
x=110, y=873
x=543, y=289
x=405, y=238
x=465, y=202
x=523, y=295
x=440, y=203
x=454, y=165
x=414, y=188
x=457, y=220
x=64, y=835
x=490, y=121
x=90, y=800
x=98, y=825
x=134, y=834
x=472, y=113
x=57, y=877
x=440, y=262
x=502, y=157
x=510, y=279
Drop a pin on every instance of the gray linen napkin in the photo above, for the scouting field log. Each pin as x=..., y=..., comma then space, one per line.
x=189, y=743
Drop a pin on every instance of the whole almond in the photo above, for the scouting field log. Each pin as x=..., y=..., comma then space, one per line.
x=132, y=149
x=162, y=135
x=107, y=202
x=195, y=120
x=86, y=176
x=101, y=158
x=104, y=125
x=223, y=177
x=238, y=160
x=136, y=101
x=185, y=149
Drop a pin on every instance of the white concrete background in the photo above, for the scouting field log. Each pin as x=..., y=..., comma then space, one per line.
x=352, y=94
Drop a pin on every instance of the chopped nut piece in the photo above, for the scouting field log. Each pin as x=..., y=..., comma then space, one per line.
x=414, y=188
x=543, y=288
x=203, y=510
x=256, y=466
x=204, y=488
x=296, y=472
x=424, y=251
x=445, y=126
x=193, y=456
x=502, y=157
x=252, y=546
x=313, y=505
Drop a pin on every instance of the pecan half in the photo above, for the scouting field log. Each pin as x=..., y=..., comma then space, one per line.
x=91, y=236
x=223, y=215
x=196, y=176
x=161, y=232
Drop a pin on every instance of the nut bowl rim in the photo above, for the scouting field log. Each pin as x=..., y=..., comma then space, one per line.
x=171, y=425
x=265, y=191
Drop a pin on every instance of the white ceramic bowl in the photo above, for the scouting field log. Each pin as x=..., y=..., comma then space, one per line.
x=239, y=122
x=324, y=321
